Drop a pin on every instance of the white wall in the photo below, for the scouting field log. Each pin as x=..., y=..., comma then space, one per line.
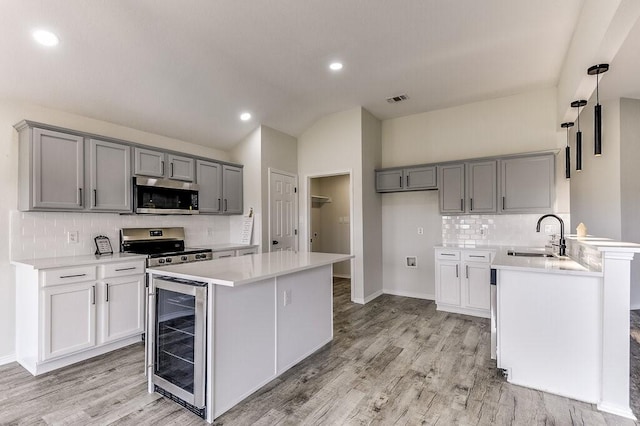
x=510, y=125
x=10, y=114
x=279, y=152
x=334, y=144
x=595, y=191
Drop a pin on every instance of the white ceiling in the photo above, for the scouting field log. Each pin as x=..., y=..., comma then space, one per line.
x=188, y=69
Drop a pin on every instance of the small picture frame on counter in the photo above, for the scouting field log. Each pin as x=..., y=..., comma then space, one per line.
x=103, y=245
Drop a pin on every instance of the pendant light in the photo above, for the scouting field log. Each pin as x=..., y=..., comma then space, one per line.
x=597, y=119
x=567, y=152
x=578, y=104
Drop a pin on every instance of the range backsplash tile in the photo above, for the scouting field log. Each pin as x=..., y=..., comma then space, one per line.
x=37, y=235
x=517, y=230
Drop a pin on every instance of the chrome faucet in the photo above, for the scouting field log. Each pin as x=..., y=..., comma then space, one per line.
x=563, y=243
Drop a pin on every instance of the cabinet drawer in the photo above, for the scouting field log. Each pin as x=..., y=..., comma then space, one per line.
x=448, y=255
x=243, y=252
x=477, y=256
x=221, y=254
x=68, y=275
x=121, y=269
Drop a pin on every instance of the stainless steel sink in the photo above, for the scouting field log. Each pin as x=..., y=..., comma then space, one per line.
x=529, y=253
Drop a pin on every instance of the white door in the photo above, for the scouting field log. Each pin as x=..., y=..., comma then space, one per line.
x=283, y=197
x=478, y=287
x=448, y=283
x=122, y=308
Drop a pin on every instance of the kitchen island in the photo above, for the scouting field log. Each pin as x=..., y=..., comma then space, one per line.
x=563, y=322
x=264, y=314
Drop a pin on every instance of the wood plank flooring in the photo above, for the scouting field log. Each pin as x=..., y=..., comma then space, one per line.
x=393, y=361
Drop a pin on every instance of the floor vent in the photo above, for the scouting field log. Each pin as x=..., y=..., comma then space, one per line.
x=397, y=98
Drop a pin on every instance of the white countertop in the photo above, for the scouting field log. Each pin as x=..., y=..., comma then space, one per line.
x=228, y=246
x=553, y=265
x=67, y=261
x=235, y=271
x=466, y=247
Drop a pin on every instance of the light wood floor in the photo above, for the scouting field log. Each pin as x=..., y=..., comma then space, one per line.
x=394, y=361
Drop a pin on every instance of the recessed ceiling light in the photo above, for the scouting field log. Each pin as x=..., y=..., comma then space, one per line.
x=46, y=38
x=335, y=66
x=245, y=116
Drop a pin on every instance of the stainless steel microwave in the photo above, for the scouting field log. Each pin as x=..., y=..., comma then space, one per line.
x=163, y=196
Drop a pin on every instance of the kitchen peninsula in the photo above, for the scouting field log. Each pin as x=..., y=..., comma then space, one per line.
x=563, y=322
x=263, y=314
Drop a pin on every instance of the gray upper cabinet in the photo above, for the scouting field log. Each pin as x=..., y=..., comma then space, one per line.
x=148, y=162
x=51, y=169
x=109, y=176
x=527, y=184
x=452, y=188
x=209, y=178
x=389, y=180
x=231, y=189
x=482, y=187
x=180, y=168
x=417, y=178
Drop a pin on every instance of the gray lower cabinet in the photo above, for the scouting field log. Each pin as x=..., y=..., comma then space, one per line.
x=417, y=178
x=209, y=179
x=452, y=193
x=231, y=189
x=527, y=184
x=51, y=170
x=109, y=176
x=482, y=187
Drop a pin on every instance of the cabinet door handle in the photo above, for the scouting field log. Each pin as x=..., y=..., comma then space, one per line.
x=162, y=164
x=107, y=285
x=461, y=204
x=476, y=255
x=400, y=181
x=467, y=270
x=93, y=294
x=471, y=204
x=225, y=205
x=95, y=198
x=125, y=269
x=72, y=276
x=219, y=206
x=447, y=254
x=80, y=196
x=171, y=169
x=502, y=203
x=407, y=181
x=457, y=271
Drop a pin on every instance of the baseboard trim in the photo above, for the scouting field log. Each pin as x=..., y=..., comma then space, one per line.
x=413, y=294
x=7, y=359
x=373, y=296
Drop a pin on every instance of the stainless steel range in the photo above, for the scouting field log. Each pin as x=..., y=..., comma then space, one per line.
x=163, y=246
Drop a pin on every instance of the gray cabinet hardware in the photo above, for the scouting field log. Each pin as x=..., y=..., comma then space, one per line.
x=126, y=269
x=73, y=276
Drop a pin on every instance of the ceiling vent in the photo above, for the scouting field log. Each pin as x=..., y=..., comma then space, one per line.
x=397, y=98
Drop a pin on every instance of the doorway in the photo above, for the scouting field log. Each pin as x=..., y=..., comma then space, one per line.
x=283, y=211
x=330, y=230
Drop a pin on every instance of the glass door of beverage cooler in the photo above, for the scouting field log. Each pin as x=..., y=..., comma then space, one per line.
x=179, y=343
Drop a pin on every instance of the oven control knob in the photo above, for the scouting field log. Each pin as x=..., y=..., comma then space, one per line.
x=184, y=258
x=168, y=259
x=199, y=256
x=160, y=260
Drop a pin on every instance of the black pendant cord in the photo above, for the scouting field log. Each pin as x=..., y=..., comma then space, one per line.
x=597, y=119
x=578, y=104
x=567, y=152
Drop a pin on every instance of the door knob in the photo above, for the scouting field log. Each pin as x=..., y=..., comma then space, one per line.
x=274, y=242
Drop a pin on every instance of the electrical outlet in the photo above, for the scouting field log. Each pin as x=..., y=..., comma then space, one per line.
x=287, y=297
x=73, y=237
x=420, y=230
x=412, y=261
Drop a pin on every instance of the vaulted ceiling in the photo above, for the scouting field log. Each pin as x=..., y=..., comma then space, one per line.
x=188, y=69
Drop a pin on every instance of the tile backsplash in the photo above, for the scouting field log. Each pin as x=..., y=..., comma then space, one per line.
x=512, y=229
x=37, y=235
